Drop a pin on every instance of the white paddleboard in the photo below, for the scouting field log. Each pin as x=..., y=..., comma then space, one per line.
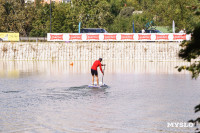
x=101, y=85
x=94, y=86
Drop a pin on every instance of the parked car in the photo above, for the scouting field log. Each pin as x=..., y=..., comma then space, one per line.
x=151, y=31
x=93, y=30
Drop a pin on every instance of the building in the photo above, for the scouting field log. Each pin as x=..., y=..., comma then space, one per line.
x=66, y=1
x=48, y=1
x=29, y=1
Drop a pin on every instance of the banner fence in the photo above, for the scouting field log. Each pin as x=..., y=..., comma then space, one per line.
x=118, y=36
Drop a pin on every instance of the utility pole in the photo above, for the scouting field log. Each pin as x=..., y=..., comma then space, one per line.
x=50, y=16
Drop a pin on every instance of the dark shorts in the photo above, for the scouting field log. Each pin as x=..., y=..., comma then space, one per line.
x=94, y=72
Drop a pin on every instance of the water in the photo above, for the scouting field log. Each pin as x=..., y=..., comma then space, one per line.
x=53, y=97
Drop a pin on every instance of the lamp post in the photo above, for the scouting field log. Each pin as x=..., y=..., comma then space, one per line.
x=50, y=16
x=133, y=27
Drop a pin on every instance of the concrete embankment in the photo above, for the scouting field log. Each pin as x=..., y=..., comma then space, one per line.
x=135, y=51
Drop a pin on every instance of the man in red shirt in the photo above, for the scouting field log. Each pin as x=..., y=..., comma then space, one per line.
x=94, y=70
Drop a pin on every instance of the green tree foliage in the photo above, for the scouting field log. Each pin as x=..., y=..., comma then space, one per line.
x=164, y=12
x=41, y=22
x=126, y=12
x=2, y=18
x=190, y=51
x=92, y=13
x=123, y=24
x=59, y=18
x=33, y=19
x=16, y=17
x=116, y=6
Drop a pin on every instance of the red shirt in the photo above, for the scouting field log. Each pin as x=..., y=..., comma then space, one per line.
x=96, y=64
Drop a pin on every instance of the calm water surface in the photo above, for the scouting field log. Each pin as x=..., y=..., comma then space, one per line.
x=52, y=97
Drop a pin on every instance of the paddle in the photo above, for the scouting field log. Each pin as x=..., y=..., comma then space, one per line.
x=103, y=73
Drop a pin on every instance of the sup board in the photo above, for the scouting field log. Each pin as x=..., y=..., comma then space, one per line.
x=97, y=86
x=94, y=86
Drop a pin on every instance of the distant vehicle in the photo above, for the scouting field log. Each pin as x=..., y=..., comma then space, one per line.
x=93, y=30
x=151, y=31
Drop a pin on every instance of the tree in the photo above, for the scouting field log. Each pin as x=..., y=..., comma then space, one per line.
x=41, y=23
x=116, y=6
x=59, y=18
x=191, y=50
x=16, y=16
x=2, y=18
x=123, y=24
x=127, y=12
x=6, y=12
x=92, y=13
x=33, y=19
x=165, y=11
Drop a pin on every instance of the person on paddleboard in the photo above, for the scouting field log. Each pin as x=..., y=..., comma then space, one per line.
x=94, y=72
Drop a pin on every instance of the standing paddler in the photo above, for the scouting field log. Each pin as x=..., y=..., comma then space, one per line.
x=94, y=70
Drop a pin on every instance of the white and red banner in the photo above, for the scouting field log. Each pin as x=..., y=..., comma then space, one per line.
x=118, y=37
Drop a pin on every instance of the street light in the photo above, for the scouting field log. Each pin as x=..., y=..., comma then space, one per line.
x=50, y=16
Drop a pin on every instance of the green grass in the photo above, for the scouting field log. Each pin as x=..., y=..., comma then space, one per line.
x=164, y=29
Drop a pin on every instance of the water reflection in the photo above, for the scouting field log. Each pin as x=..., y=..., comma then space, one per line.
x=16, y=69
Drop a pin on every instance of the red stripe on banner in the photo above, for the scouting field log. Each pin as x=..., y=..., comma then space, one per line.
x=162, y=37
x=144, y=37
x=93, y=37
x=110, y=37
x=75, y=37
x=56, y=37
x=179, y=37
x=127, y=37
